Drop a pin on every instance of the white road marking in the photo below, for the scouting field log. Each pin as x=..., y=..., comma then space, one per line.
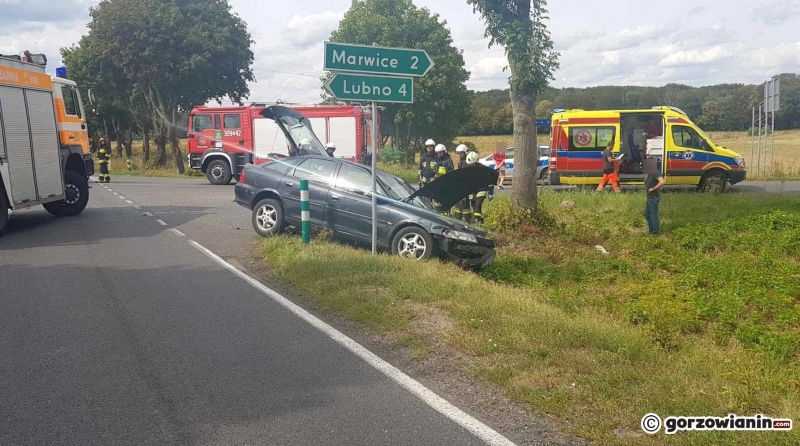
x=137, y=207
x=181, y=234
x=438, y=403
x=148, y=214
x=128, y=201
x=114, y=192
x=121, y=197
x=161, y=222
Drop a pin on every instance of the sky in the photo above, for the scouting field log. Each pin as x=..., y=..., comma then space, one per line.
x=620, y=42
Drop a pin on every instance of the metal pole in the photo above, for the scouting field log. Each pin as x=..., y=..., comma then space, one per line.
x=374, y=176
x=753, y=138
x=758, y=166
x=305, y=215
x=772, y=156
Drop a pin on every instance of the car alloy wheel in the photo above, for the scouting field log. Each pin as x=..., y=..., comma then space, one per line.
x=266, y=218
x=413, y=246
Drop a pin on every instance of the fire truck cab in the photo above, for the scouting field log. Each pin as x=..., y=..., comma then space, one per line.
x=44, y=144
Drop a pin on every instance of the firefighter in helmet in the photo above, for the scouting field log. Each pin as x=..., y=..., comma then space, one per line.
x=427, y=164
x=103, y=157
x=330, y=148
x=445, y=165
x=482, y=194
x=462, y=209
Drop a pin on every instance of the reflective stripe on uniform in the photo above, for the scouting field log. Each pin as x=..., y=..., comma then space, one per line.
x=481, y=194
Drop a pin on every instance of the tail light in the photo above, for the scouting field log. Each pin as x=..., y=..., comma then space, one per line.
x=553, y=159
x=241, y=177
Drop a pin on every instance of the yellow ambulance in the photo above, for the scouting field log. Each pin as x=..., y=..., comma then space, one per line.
x=685, y=154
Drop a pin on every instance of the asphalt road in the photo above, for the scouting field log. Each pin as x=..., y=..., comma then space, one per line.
x=114, y=329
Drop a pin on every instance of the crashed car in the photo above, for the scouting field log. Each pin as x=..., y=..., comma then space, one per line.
x=340, y=199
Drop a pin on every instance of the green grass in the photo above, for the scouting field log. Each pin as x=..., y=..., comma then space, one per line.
x=703, y=320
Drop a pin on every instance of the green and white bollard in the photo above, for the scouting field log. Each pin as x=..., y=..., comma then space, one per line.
x=305, y=214
x=129, y=164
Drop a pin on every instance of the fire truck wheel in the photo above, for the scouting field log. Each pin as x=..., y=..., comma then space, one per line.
x=77, y=196
x=3, y=211
x=218, y=172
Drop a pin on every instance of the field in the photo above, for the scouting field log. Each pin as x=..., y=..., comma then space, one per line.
x=786, y=156
x=703, y=320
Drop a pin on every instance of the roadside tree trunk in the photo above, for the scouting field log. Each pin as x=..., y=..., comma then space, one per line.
x=175, y=144
x=145, y=145
x=128, y=143
x=524, y=193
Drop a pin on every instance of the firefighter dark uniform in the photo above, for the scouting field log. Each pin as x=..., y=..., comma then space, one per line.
x=103, y=157
x=462, y=209
x=428, y=166
x=445, y=165
x=477, y=202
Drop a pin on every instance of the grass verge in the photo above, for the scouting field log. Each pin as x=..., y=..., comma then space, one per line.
x=684, y=324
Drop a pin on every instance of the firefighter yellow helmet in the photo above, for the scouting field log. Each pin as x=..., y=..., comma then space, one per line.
x=472, y=158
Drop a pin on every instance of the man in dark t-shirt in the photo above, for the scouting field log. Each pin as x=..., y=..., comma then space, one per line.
x=609, y=174
x=653, y=182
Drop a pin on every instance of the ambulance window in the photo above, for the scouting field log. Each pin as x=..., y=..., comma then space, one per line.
x=686, y=137
x=590, y=138
x=202, y=122
x=216, y=122
x=233, y=121
x=70, y=101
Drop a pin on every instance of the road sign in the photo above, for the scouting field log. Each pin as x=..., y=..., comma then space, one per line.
x=376, y=59
x=543, y=122
x=362, y=87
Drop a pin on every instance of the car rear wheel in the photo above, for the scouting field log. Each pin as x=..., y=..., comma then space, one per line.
x=268, y=218
x=545, y=176
x=413, y=242
x=218, y=172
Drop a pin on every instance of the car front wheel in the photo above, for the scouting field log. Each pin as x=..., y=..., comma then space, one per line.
x=412, y=242
x=268, y=218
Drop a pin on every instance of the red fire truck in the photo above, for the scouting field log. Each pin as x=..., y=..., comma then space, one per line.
x=221, y=140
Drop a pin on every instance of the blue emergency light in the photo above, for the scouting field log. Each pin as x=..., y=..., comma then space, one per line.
x=559, y=110
x=61, y=72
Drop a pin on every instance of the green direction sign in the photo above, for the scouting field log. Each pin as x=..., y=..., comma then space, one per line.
x=363, y=87
x=376, y=59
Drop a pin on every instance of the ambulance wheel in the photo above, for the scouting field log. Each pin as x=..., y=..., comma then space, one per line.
x=412, y=242
x=3, y=211
x=714, y=182
x=76, y=191
x=218, y=172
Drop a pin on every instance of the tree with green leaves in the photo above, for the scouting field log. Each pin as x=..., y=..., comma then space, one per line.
x=441, y=105
x=518, y=26
x=177, y=53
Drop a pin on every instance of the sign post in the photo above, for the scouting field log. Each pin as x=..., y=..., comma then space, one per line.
x=372, y=73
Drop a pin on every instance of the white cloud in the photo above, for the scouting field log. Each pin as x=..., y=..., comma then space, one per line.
x=776, y=13
x=695, y=57
x=304, y=30
x=628, y=38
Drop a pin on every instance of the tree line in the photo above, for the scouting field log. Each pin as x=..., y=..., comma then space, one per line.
x=716, y=107
x=150, y=61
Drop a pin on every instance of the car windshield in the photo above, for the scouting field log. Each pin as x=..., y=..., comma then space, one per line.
x=399, y=189
x=303, y=137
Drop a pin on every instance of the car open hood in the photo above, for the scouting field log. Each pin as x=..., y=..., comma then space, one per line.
x=451, y=188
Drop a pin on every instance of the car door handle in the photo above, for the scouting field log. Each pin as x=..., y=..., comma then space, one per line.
x=335, y=197
x=289, y=183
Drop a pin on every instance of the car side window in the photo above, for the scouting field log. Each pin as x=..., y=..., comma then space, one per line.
x=281, y=166
x=686, y=137
x=315, y=169
x=351, y=177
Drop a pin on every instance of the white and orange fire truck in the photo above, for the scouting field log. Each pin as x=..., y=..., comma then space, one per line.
x=44, y=144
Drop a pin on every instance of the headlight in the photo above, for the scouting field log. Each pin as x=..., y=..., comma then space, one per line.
x=739, y=161
x=463, y=236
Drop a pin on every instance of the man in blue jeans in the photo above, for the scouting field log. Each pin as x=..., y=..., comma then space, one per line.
x=653, y=182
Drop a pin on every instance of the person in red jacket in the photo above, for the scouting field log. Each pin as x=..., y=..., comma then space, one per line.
x=499, y=158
